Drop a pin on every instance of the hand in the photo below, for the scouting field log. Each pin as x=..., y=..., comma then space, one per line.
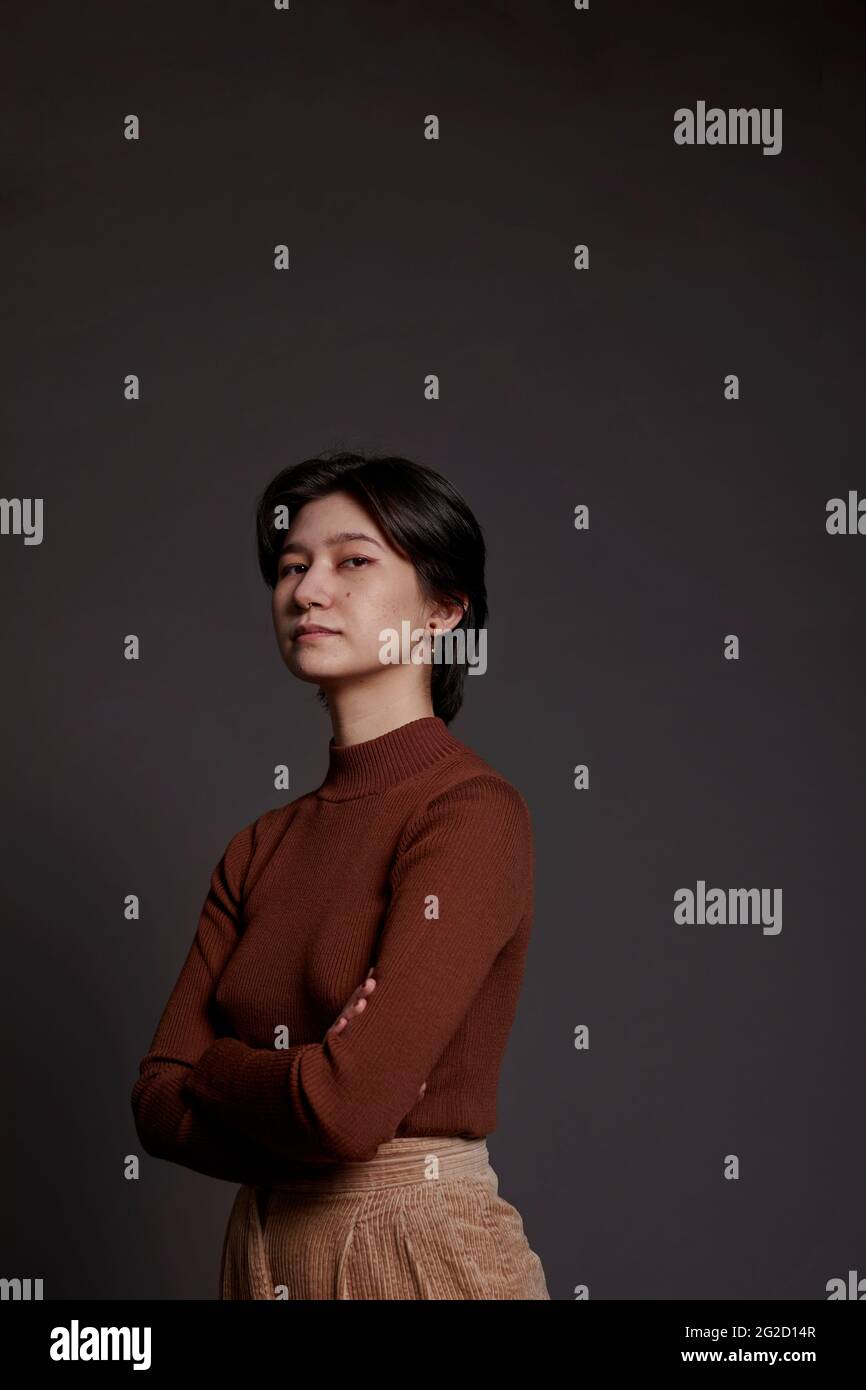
x=356, y=1004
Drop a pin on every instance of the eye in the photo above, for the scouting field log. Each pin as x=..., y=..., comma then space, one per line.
x=289, y=569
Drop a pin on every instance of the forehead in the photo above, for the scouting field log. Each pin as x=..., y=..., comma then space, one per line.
x=331, y=521
x=339, y=538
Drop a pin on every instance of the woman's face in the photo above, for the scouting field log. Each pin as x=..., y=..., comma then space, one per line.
x=356, y=587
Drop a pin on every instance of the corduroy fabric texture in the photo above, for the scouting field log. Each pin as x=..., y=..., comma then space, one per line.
x=423, y=1219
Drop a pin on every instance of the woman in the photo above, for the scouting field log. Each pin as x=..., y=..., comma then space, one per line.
x=334, y=1040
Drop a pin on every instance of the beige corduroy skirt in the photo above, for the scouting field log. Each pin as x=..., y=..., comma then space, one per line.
x=421, y=1220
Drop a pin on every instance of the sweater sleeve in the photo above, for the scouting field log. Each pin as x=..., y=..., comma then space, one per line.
x=461, y=883
x=167, y=1124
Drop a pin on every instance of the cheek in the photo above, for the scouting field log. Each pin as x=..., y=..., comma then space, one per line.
x=378, y=606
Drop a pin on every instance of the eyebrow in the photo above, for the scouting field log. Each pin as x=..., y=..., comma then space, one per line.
x=336, y=539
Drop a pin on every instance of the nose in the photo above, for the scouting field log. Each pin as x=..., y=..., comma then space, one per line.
x=312, y=588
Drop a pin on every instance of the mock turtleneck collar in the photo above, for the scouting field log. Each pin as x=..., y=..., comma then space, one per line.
x=359, y=769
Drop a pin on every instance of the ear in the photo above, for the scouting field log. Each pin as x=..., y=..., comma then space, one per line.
x=448, y=615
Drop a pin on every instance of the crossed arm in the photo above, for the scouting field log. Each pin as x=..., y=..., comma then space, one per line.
x=458, y=892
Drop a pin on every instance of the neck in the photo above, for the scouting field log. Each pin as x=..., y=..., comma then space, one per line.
x=374, y=765
x=361, y=720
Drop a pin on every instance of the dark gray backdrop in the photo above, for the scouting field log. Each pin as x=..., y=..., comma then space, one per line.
x=605, y=647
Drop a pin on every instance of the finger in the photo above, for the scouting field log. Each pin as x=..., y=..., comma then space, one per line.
x=361, y=992
x=357, y=1003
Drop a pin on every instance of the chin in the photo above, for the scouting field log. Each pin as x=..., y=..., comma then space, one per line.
x=308, y=668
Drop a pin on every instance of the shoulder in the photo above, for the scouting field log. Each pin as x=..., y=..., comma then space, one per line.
x=487, y=791
x=469, y=796
x=254, y=843
x=476, y=833
x=468, y=779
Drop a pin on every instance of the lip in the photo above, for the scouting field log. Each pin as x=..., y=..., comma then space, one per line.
x=314, y=631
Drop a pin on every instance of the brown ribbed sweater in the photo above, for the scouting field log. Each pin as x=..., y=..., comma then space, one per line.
x=415, y=856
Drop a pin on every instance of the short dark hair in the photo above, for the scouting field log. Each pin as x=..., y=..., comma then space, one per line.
x=424, y=517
